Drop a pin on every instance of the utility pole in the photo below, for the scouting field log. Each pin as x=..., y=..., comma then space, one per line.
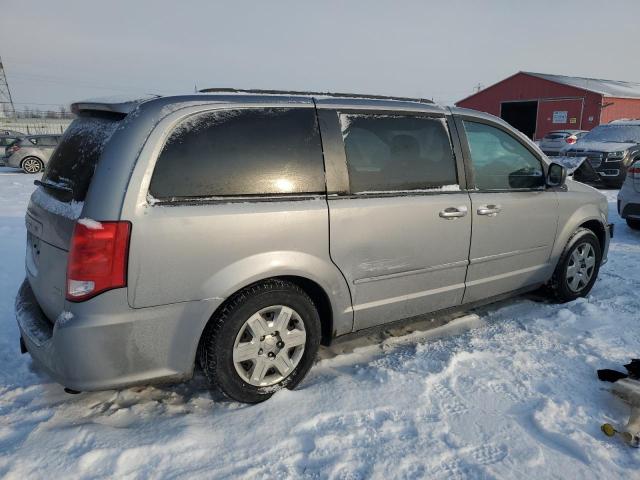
x=6, y=102
x=478, y=87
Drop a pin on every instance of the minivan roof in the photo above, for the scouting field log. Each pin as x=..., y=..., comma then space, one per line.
x=126, y=106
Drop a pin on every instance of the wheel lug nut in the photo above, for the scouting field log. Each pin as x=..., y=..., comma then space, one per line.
x=272, y=355
x=260, y=352
x=262, y=338
x=280, y=344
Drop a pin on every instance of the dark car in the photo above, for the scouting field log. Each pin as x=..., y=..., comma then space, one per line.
x=610, y=149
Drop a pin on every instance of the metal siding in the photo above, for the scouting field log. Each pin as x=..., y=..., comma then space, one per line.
x=616, y=108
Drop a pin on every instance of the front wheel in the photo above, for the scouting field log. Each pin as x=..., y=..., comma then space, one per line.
x=265, y=338
x=578, y=267
x=633, y=223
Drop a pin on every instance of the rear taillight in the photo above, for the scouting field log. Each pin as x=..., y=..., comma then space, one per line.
x=97, y=258
x=13, y=149
x=571, y=139
x=634, y=169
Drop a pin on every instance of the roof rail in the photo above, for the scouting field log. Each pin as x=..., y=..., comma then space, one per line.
x=304, y=93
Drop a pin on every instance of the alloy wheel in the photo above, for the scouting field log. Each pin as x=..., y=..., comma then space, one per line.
x=581, y=266
x=31, y=165
x=269, y=346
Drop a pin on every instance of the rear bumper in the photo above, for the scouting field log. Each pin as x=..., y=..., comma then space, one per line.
x=629, y=201
x=100, y=346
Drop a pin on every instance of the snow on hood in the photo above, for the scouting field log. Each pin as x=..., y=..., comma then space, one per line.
x=600, y=146
x=570, y=163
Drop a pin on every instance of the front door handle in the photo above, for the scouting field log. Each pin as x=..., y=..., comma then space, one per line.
x=489, y=210
x=453, y=212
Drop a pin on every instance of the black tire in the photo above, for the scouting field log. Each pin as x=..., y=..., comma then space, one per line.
x=26, y=163
x=216, y=346
x=559, y=284
x=633, y=223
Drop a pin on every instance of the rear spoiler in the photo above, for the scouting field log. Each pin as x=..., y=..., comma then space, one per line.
x=121, y=106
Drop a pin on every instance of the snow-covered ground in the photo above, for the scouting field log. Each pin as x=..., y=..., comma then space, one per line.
x=508, y=393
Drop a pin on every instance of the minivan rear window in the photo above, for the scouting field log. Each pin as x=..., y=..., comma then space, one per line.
x=74, y=161
x=257, y=151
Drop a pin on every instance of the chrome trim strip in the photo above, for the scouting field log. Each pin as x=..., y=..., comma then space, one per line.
x=480, y=281
x=498, y=256
x=406, y=273
x=404, y=298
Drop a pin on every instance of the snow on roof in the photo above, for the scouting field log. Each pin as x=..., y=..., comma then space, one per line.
x=608, y=88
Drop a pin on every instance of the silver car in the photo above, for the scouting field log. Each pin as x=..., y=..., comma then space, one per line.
x=31, y=153
x=553, y=143
x=241, y=231
x=629, y=197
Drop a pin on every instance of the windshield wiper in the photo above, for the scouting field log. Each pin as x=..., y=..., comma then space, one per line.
x=53, y=186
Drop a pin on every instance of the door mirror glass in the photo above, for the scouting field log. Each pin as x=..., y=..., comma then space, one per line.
x=557, y=175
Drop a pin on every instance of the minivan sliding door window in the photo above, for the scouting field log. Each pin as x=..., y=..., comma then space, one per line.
x=391, y=154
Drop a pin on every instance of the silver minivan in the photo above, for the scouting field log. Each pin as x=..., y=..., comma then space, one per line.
x=241, y=231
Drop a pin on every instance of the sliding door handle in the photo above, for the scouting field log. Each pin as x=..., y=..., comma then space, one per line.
x=453, y=212
x=489, y=210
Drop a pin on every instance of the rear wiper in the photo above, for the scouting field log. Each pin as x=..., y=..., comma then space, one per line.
x=53, y=186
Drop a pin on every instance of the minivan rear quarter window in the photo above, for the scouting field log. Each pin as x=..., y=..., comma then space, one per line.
x=397, y=153
x=223, y=153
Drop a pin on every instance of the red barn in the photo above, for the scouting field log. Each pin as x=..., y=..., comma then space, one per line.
x=536, y=103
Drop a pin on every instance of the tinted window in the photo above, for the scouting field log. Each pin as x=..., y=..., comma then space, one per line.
x=241, y=152
x=74, y=161
x=500, y=162
x=5, y=141
x=556, y=135
x=390, y=153
x=47, y=141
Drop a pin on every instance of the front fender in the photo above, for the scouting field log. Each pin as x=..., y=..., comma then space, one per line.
x=578, y=205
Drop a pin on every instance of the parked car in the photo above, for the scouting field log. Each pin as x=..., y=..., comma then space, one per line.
x=242, y=231
x=553, y=143
x=6, y=140
x=629, y=197
x=31, y=153
x=610, y=149
x=11, y=133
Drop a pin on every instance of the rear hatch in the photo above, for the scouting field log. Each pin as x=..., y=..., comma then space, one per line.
x=57, y=203
x=554, y=141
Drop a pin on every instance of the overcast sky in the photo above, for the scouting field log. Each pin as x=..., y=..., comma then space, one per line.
x=58, y=52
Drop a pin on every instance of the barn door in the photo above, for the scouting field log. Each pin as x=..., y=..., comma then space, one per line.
x=565, y=114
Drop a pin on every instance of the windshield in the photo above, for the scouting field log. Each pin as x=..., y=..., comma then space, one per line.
x=614, y=133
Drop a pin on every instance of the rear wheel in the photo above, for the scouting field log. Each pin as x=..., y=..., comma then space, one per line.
x=633, y=223
x=578, y=268
x=265, y=338
x=32, y=165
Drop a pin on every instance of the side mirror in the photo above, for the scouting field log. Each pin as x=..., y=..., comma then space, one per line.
x=557, y=175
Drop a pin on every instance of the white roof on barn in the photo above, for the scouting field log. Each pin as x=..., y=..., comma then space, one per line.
x=608, y=88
